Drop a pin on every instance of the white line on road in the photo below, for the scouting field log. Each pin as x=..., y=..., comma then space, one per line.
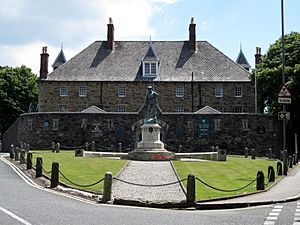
x=14, y=216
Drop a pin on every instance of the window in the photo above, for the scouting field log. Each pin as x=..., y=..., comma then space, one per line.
x=238, y=109
x=63, y=91
x=179, y=90
x=121, y=108
x=238, y=90
x=245, y=124
x=217, y=123
x=55, y=124
x=150, y=69
x=179, y=109
x=29, y=124
x=63, y=108
x=219, y=90
x=82, y=91
x=122, y=90
x=220, y=108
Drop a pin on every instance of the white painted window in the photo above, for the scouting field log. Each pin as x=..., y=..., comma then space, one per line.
x=122, y=90
x=219, y=90
x=63, y=91
x=82, y=91
x=179, y=90
x=150, y=69
x=121, y=108
x=179, y=109
x=238, y=90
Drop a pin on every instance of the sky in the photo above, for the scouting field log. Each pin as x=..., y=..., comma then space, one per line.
x=28, y=25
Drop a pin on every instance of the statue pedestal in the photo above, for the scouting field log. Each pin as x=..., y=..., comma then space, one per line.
x=150, y=148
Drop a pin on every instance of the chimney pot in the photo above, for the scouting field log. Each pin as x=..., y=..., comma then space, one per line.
x=44, y=63
x=192, y=35
x=110, y=35
x=258, y=59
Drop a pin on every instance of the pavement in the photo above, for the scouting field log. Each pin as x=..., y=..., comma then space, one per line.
x=286, y=190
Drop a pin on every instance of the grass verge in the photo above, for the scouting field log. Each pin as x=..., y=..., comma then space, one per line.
x=236, y=172
x=80, y=170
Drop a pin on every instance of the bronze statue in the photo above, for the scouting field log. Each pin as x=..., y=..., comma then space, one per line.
x=151, y=105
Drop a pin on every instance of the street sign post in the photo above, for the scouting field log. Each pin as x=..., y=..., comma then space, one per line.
x=284, y=96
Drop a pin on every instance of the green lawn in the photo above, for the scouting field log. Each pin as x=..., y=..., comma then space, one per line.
x=81, y=170
x=236, y=172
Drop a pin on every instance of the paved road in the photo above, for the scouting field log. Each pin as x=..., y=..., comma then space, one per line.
x=20, y=203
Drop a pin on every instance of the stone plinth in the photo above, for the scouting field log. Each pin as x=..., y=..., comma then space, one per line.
x=150, y=148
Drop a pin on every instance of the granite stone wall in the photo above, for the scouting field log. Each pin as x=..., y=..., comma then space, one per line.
x=105, y=96
x=195, y=132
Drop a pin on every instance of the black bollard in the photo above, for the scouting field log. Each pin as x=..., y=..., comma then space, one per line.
x=12, y=152
x=260, y=182
x=106, y=197
x=190, y=189
x=271, y=174
x=55, y=175
x=294, y=159
x=29, y=161
x=281, y=156
x=279, y=168
x=253, y=153
x=53, y=146
x=290, y=161
x=22, y=156
x=246, y=152
x=285, y=162
x=39, y=167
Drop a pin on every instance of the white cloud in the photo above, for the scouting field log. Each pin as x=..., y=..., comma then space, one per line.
x=34, y=24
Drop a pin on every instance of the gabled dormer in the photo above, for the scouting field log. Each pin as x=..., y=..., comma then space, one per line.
x=150, y=62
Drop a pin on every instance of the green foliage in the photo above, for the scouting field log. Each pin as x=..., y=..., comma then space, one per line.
x=269, y=76
x=18, y=90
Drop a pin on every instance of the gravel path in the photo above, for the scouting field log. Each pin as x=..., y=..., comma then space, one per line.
x=141, y=172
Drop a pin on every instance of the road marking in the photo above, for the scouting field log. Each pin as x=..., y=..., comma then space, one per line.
x=14, y=216
x=297, y=215
x=273, y=215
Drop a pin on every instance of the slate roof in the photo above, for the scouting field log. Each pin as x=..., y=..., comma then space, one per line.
x=60, y=59
x=176, y=63
x=241, y=59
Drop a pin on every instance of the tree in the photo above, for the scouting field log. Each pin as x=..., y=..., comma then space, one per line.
x=269, y=80
x=18, y=92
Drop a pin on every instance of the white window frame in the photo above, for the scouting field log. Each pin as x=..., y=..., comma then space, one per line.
x=82, y=91
x=63, y=91
x=238, y=90
x=219, y=90
x=153, y=68
x=217, y=124
x=122, y=90
x=179, y=109
x=179, y=90
x=245, y=124
x=121, y=108
x=220, y=109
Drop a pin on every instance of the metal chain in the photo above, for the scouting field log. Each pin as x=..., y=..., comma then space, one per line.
x=80, y=185
x=149, y=185
x=232, y=190
x=46, y=171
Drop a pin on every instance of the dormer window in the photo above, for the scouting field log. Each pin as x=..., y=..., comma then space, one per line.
x=150, y=69
x=150, y=62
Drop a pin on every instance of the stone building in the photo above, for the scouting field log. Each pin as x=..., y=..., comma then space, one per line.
x=114, y=75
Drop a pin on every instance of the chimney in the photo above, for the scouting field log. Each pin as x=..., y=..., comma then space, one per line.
x=44, y=64
x=192, y=36
x=258, y=56
x=110, y=35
